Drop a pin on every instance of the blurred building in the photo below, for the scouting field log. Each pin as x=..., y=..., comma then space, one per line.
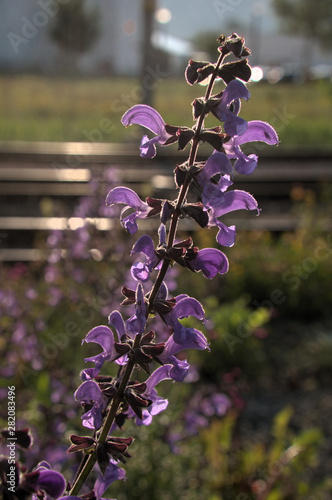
x=26, y=44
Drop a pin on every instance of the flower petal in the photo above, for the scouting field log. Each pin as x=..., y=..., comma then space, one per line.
x=52, y=482
x=246, y=164
x=89, y=391
x=258, y=130
x=211, y=262
x=112, y=473
x=235, y=200
x=101, y=335
x=127, y=196
x=235, y=125
x=235, y=90
x=115, y=319
x=226, y=235
x=144, y=245
x=188, y=306
x=160, y=374
x=217, y=163
x=147, y=147
x=144, y=115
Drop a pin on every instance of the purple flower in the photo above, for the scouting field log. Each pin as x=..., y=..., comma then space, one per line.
x=187, y=337
x=147, y=117
x=232, y=200
x=141, y=270
x=131, y=200
x=229, y=107
x=136, y=323
x=112, y=473
x=212, y=191
x=158, y=404
x=89, y=393
x=49, y=481
x=256, y=131
x=180, y=368
x=103, y=336
x=210, y=261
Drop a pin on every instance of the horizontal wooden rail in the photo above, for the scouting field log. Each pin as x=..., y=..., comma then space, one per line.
x=29, y=172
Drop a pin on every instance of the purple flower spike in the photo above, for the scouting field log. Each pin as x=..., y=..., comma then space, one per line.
x=256, y=131
x=129, y=198
x=211, y=262
x=234, y=125
x=147, y=117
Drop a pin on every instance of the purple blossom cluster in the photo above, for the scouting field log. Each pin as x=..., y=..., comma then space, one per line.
x=131, y=344
x=141, y=351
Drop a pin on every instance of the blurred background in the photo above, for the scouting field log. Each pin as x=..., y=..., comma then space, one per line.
x=254, y=420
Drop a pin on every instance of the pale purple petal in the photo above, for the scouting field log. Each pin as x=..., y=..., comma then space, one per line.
x=179, y=370
x=140, y=272
x=258, y=130
x=189, y=337
x=89, y=391
x=129, y=223
x=144, y=245
x=160, y=374
x=217, y=163
x=147, y=147
x=115, y=319
x=235, y=90
x=52, y=482
x=126, y=196
x=211, y=262
x=172, y=347
x=245, y=164
x=144, y=115
x=101, y=335
x=234, y=125
x=235, y=200
x=226, y=235
x=159, y=404
x=112, y=473
x=188, y=306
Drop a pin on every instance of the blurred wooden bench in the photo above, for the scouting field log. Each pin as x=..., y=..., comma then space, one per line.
x=32, y=172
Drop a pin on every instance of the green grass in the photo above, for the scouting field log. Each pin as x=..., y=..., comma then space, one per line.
x=56, y=109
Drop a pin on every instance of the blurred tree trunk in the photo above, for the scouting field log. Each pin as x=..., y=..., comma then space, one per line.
x=148, y=59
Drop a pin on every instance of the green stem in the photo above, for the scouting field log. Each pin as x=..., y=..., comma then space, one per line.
x=116, y=401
